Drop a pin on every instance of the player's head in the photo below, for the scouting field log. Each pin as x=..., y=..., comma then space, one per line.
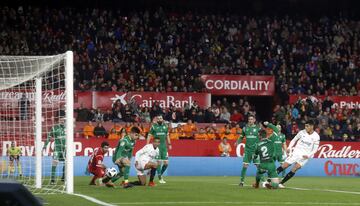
x=12, y=144
x=105, y=146
x=134, y=133
x=156, y=142
x=160, y=119
x=224, y=140
x=278, y=127
x=262, y=134
x=251, y=119
x=309, y=126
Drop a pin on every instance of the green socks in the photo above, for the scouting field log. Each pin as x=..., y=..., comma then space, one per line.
x=243, y=173
x=163, y=169
x=126, y=173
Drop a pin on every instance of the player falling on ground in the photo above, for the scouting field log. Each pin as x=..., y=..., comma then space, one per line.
x=14, y=154
x=250, y=131
x=159, y=130
x=265, y=149
x=97, y=167
x=57, y=133
x=123, y=154
x=307, y=143
x=279, y=142
x=146, y=161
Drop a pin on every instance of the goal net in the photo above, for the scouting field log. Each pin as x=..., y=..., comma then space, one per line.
x=36, y=121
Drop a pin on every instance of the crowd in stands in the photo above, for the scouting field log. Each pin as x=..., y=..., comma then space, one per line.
x=168, y=51
x=332, y=124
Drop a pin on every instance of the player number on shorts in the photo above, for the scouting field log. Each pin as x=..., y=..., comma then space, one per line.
x=264, y=151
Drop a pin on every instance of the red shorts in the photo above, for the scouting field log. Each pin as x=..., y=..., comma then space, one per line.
x=97, y=171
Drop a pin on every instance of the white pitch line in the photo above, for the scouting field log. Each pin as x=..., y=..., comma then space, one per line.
x=316, y=189
x=94, y=200
x=235, y=203
x=326, y=190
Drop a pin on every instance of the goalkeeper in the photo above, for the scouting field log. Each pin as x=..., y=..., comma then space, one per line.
x=57, y=133
x=14, y=154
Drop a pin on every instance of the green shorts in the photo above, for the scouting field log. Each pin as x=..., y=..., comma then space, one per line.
x=279, y=158
x=163, y=154
x=59, y=156
x=269, y=168
x=249, y=156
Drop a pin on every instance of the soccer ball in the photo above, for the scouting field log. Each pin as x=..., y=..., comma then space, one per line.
x=111, y=172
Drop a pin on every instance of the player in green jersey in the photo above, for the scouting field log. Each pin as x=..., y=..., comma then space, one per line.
x=265, y=150
x=160, y=130
x=250, y=131
x=14, y=154
x=58, y=135
x=123, y=154
x=279, y=140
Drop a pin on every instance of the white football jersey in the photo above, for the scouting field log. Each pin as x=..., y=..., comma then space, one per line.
x=307, y=144
x=147, y=153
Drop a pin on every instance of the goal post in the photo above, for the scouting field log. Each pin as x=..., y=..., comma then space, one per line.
x=36, y=121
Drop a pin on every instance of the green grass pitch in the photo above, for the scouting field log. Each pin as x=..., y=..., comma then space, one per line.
x=217, y=191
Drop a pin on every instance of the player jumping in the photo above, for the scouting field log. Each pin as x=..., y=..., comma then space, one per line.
x=123, y=154
x=265, y=149
x=145, y=161
x=57, y=133
x=279, y=143
x=14, y=154
x=160, y=131
x=250, y=131
x=307, y=143
x=96, y=166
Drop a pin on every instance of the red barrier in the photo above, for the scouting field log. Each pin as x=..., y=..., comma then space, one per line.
x=239, y=85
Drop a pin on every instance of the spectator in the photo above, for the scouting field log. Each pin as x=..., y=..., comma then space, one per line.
x=88, y=130
x=107, y=116
x=327, y=103
x=145, y=115
x=113, y=135
x=116, y=127
x=189, y=129
x=211, y=133
x=357, y=132
x=209, y=115
x=98, y=116
x=337, y=133
x=224, y=148
x=224, y=116
x=199, y=117
x=236, y=117
x=201, y=135
x=174, y=135
x=100, y=131
x=82, y=114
